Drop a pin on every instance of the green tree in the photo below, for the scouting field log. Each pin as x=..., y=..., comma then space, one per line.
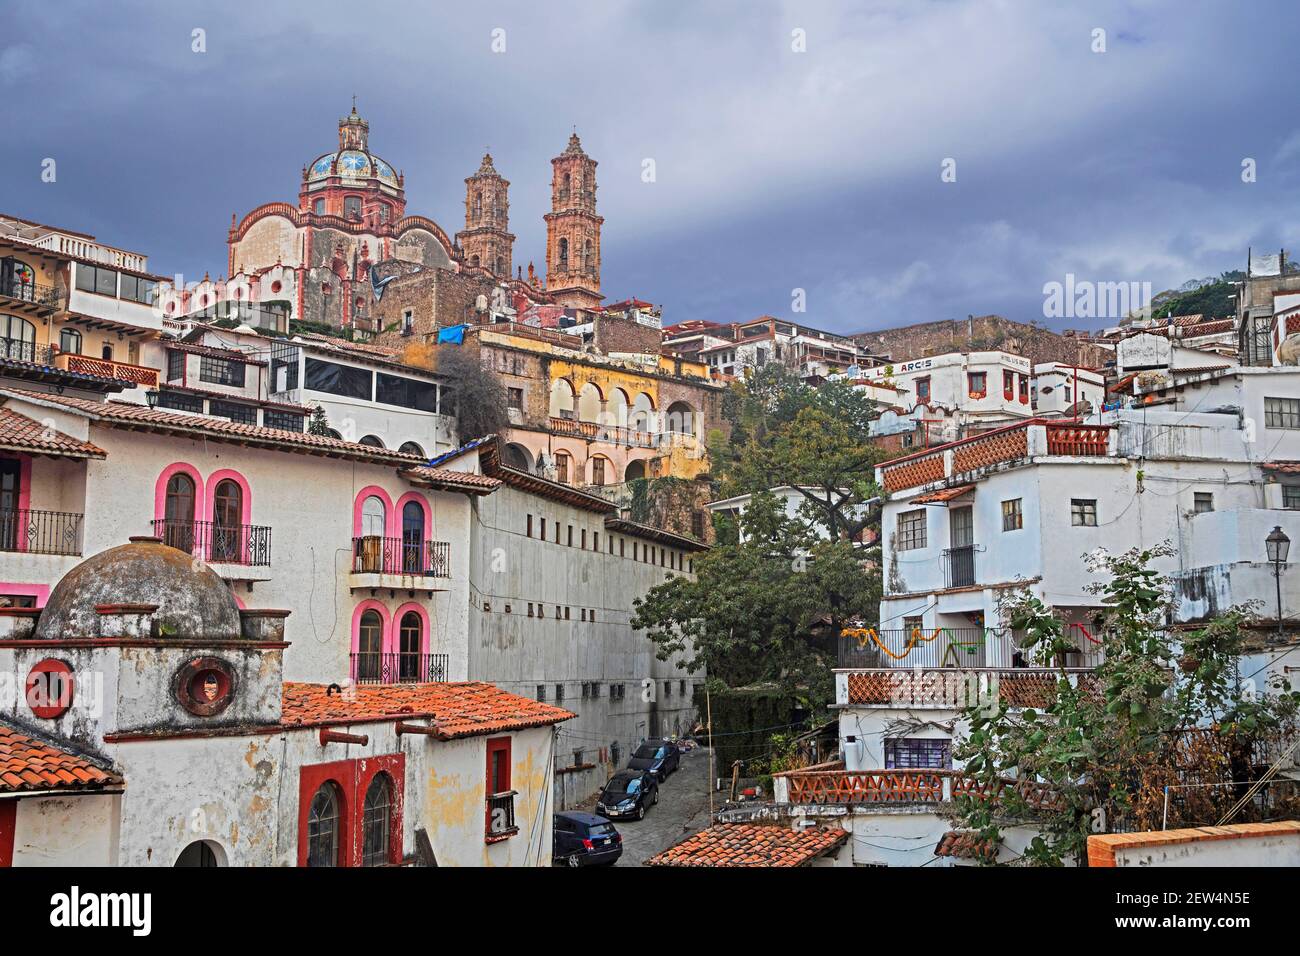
x=1162, y=709
x=319, y=423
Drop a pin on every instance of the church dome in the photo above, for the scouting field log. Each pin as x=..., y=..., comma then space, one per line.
x=193, y=602
x=353, y=160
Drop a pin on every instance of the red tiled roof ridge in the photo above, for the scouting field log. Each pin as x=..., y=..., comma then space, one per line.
x=458, y=709
x=23, y=432
x=28, y=763
x=768, y=844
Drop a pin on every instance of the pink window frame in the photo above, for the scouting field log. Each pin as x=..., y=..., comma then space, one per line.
x=160, y=490
x=385, y=631
x=396, y=519
x=383, y=496
x=395, y=637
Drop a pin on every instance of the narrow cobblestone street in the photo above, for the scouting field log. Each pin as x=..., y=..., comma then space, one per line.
x=683, y=809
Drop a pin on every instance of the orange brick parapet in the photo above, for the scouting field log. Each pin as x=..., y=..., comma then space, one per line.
x=1102, y=847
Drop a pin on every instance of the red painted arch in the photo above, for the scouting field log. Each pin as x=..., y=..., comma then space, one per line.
x=160, y=490
x=362, y=495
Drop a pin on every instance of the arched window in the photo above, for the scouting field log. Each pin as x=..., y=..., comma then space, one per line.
x=516, y=456
x=411, y=448
x=412, y=538
x=568, y=183
x=473, y=260
x=599, y=470
x=372, y=516
x=376, y=821
x=70, y=341
x=590, y=401
x=370, y=647
x=370, y=544
x=324, y=841
x=478, y=205
x=501, y=265
x=562, y=466
x=410, y=648
x=178, y=513
x=106, y=353
x=352, y=207
x=227, y=519
x=564, y=254
x=588, y=260
x=374, y=441
x=635, y=470
x=17, y=338
x=320, y=207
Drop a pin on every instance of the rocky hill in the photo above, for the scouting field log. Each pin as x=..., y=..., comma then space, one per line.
x=983, y=332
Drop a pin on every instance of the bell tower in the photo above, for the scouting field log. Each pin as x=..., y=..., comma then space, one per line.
x=486, y=240
x=573, y=230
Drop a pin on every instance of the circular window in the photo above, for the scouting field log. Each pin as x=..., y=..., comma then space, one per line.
x=204, y=685
x=49, y=689
x=276, y=286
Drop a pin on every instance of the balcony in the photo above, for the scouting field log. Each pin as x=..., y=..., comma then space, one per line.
x=959, y=567
x=614, y=434
x=399, y=563
x=950, y=648
x=399, y=668
x=240, y=545
x=500, y=811
x=41, y=532
x=106, y=368
x=22, y=351
x=31, y=298
x=901, y=786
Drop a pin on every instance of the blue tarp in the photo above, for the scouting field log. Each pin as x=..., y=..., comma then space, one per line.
x=455, y=334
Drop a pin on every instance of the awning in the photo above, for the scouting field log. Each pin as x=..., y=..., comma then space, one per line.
x=942, y=496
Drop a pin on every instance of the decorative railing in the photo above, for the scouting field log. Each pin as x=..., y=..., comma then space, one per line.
x=218, y=543
x=399, y=668
x=34, y=292
x=24, y=351
x=372, y=554
x=1003, y=444
x=1088, y=440
x=955, y=688
x=907, y=786
x=959, y=566
x=594, y=431
x=41, y=532
x=106, y=368
x=500, y=816
x=870, y=648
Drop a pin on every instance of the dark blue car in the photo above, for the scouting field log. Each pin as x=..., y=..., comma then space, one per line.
x=584, y=839
x=657, y=756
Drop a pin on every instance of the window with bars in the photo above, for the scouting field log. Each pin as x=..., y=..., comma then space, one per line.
x=244, y=414
x=175, y=365
x=180, y=402
x=1083, y=512
x=1291, y=497
x=1013, y=519
x=1282, y=412
x=918, y=752
x=911, y=530
x=220, y=371
x=285, y=421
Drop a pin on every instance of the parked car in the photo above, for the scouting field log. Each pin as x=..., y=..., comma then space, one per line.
x=584, y=839
x=629, y=793
x=657, y=756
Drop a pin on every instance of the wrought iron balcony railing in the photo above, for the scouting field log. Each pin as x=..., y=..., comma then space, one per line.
x=372, y=554
x=500, y=821
x=959, y=567
x=399, y=668
x=24, y=351
x=217, y=543
x=34, y=292
x=40, y=532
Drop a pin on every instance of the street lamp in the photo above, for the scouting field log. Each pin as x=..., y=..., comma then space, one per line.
x=1277, y=545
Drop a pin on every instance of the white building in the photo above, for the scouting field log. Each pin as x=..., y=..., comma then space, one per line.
x=156, y=729
x=978, y=389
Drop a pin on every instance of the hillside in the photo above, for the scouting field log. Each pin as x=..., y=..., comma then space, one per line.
x=981, y=332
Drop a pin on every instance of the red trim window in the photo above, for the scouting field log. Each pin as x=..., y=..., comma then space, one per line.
x=1024, y=389
x=923, y=389
x=1008, y=385
x=977, y=384
x=49, y=689
x=499, y=808
x=350, y=812
x=8, y=824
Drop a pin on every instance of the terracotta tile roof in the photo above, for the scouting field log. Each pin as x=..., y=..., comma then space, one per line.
x=751, y=844
x=636, y=529
x=141, y=417
x=966, y=845
x=945, y=494
x=451, y=480
x=1284, y=467
x=28, y=764
x=464, y=709
x=20, y=433
x=41, y=372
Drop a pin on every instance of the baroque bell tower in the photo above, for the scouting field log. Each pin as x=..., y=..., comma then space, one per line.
x=573, y=230
x=486, y=240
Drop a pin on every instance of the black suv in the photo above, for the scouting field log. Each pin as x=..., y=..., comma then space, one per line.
x=584, y=839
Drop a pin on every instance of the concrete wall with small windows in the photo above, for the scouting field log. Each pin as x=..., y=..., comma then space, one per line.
x=547, y=616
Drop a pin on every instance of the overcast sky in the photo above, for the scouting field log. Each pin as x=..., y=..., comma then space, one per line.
x=775, y=170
